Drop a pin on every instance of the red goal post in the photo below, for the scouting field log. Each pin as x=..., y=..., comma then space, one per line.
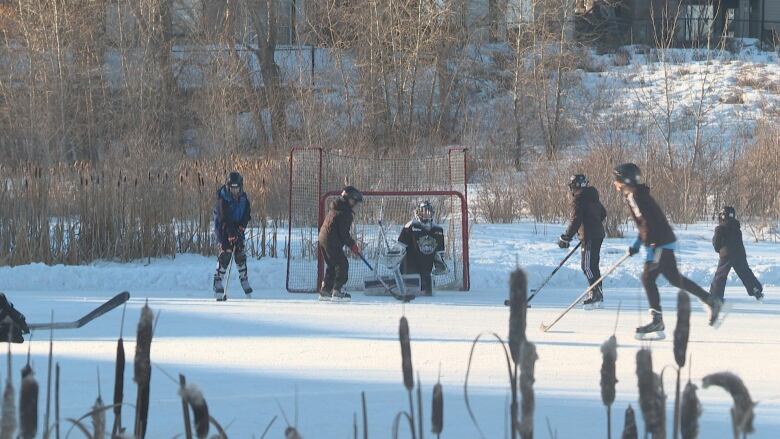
x=392, y=188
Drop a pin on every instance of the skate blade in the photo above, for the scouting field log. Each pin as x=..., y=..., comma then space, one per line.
x=592, y=306
x=248, y=295
x=724, y=310
x=650, y=336
x=221, y=298
x=340, y=299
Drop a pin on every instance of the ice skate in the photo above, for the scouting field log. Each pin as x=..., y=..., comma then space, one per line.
x=653, y=330
x=339, y=296
x=245, y=285
x=595, y=300
x=219, y=288
x=717, y=311
x=758, y=293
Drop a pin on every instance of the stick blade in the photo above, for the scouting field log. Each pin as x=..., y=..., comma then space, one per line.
x=544, y=328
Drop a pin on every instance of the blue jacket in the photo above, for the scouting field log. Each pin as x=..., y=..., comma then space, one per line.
x=231, y=216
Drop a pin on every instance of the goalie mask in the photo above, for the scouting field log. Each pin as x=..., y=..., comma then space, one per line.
x=424, y=214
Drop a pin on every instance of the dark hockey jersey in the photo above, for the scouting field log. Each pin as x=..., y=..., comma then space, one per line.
x=421, y=246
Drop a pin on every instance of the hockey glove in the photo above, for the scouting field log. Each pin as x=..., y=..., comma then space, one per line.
x=232, y=239
x=355, y=249
x=439, y=266
x=564, y=241
x=633, y=250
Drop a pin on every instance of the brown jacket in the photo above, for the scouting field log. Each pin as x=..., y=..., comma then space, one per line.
x=334, y=232
x=654, y=229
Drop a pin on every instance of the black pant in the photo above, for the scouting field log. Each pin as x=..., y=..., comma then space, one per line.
x=740, y=265
x=666, y=264
x=591, y=254
x=238, y=253
x=336, y=268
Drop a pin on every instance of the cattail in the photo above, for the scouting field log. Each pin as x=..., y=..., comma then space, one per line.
x=406, y=354
x=652, y=400
x=690, y=411
x=528, y=359
x=292, y=433
x=99, y=418
x=8, y=416
x=119, y=385
x=518, y=305
x=437, y=410
x=682, y=330
x=406, y=365
x=143, y=370
x=681, y=333
x=629, y=427
x=28, y=404
x=608, y=378
x=200, y=409
x=742, y=412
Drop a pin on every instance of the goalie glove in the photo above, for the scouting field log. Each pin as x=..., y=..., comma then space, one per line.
x=439, y=266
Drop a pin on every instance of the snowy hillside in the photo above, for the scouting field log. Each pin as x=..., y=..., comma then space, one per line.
x=249, y=356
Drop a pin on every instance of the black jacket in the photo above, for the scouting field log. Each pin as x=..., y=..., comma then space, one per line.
x=654, y=229
x=727, y=240
x=421, y=246
x=587, y=215
x=334, y=232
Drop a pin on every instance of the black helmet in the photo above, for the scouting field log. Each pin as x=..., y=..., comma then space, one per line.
x=628, y=173
x=424, y=212
x=726, y=213
x=235, y=180
x=577, y=181
x=351, y=193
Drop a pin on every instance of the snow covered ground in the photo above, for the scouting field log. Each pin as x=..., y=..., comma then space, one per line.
x=249, y=357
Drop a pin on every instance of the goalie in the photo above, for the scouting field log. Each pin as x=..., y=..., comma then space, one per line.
x=424, y=242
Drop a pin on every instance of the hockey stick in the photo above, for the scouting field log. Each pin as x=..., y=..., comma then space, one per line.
x=546, y=328
x=227, y=278
x=536, y=291
x=107, y=306
x=401, y=297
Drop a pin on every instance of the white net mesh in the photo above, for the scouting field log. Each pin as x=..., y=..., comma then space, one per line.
x=392, y=189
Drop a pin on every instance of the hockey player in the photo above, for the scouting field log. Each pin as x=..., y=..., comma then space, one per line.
x=334, y=235
x=728, y=243
x=12, y=323
x=232, y=212
x=424, y=242
x=587, y=215
x=659, y=241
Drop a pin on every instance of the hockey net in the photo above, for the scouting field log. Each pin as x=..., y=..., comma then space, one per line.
x=392, y=188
